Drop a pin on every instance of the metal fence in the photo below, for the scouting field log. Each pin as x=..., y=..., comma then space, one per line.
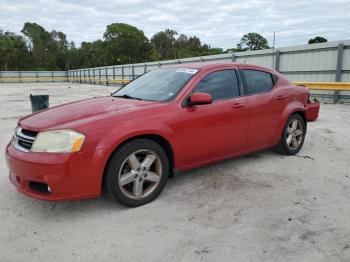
x=32, y=76
x=324, y=62
x=308, y=64
x=318, y=66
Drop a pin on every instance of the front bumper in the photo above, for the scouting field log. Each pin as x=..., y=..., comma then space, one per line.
x=68, y=176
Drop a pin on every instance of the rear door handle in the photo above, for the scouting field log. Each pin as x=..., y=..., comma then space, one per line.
x=237, y=105
x=280, y=97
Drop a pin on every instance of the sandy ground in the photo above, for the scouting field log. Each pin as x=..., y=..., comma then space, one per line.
x=260, y=207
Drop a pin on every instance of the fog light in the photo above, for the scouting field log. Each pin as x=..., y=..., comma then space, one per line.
x=49, y=189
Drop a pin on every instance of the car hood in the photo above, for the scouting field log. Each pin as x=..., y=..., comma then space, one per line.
x=84, y=112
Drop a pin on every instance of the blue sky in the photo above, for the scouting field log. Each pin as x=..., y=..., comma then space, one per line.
x=219, y=23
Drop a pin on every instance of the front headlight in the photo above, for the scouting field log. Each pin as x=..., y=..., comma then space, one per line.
x=60, y=141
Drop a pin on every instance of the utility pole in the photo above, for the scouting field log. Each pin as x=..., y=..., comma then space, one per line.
x=273, y=50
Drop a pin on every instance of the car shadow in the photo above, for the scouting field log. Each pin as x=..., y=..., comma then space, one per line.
x=228, y=167
x=105, y=204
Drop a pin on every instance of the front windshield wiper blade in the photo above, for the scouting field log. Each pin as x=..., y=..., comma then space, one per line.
x=127, y=97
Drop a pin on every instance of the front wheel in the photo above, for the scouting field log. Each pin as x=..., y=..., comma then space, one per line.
x=137, y=172
x=293, y=135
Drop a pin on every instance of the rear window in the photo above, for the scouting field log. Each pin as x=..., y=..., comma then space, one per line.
x=257, y=81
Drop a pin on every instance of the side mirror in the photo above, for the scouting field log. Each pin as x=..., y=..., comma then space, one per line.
x=199, y=98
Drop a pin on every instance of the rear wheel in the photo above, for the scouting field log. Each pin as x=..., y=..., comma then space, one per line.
x=293, y=135
x=137, y=172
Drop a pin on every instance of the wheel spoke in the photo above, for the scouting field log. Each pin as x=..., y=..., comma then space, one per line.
x=298, y=132
x=148, y=161
x=294, y=125
x=289, y=139
x=127, y=178
x=152, y=177
x=294, y=142
x=138, y=188
x=289, y=130
x=133, y=162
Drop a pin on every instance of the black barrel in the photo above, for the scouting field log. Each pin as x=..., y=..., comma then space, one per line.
x=39, y=102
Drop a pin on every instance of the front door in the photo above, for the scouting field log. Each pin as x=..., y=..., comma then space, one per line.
x=218, y=129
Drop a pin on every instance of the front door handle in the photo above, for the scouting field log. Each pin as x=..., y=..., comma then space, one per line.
x=237, y=105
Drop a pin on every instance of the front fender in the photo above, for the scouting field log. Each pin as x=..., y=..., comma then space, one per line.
x=125, y=131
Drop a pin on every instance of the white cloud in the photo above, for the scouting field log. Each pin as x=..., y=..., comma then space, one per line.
x=220, y=23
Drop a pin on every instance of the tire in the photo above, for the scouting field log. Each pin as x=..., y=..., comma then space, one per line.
x=292, y=140
x=131, y=173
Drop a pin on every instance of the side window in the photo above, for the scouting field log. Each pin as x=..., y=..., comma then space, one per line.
x=257, y=81
x=220, y=85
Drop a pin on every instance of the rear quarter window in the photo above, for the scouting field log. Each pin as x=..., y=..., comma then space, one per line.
x=257, y=81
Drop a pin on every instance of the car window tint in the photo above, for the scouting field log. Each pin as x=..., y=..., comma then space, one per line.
x=220, y=85
x=257, y=81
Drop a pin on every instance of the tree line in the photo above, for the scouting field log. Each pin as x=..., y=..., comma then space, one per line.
x=39, y=49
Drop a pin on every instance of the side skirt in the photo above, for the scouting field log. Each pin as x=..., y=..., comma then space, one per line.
x=218, y=159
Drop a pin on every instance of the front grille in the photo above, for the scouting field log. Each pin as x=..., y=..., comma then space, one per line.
x=24, y=139
x=29, y=133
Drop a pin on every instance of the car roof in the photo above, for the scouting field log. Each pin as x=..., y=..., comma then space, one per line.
x=201, y=65
x=217, y=64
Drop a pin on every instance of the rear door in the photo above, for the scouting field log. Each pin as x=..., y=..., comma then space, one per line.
x=265, y=105
x=218, y=129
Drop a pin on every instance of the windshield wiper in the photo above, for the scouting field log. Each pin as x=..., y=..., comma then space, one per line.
x=128, y=97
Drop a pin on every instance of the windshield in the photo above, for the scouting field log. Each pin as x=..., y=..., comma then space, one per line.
x=157, y=85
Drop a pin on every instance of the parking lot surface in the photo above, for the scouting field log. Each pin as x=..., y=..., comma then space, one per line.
x=259, y=207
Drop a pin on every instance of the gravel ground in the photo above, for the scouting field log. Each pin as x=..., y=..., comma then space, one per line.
x=260, y=207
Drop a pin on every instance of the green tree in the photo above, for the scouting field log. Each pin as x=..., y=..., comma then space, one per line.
x=181, y=41
x=164, y=43
x=213, y=51
x=252, y=41
x=39, y=40
x=58, y=48
x=317, y=39
x=194, y=43
x=49, y=49
x=14, y=54
x=126, y=44
x=74, y=58
x=95, y=54
x=169, y=47
x=38, y=49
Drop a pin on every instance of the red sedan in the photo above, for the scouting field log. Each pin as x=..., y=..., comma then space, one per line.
x=167, y=121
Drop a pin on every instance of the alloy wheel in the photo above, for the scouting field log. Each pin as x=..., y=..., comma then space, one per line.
x=140, y=174
x=294, y=135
